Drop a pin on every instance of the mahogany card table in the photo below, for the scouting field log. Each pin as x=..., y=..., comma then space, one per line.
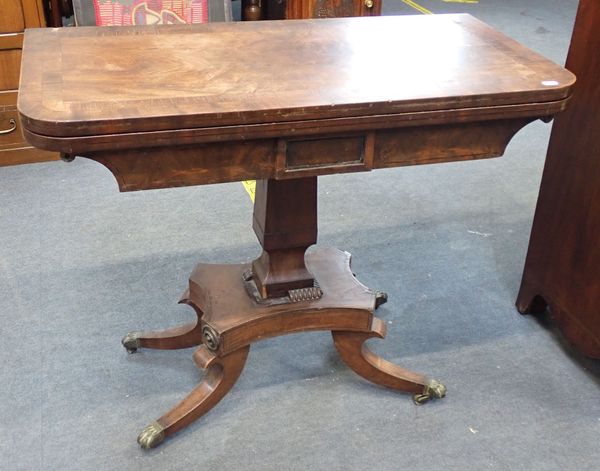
x=168, y=106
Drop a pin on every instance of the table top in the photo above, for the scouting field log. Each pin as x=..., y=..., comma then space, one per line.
x=91, y=81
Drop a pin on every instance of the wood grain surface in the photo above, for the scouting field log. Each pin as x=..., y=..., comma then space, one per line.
x=95, y=81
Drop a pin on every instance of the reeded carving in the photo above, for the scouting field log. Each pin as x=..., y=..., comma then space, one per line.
x=305, y=294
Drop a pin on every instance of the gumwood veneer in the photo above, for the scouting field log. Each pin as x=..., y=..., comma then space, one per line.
x=185, y=105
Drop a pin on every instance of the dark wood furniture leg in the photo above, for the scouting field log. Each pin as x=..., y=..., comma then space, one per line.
x=222, y=373
x=352, y=349
x=183, y=336
x=284, y=290
x=562, y=271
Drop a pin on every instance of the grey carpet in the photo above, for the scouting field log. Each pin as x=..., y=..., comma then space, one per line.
x=81, y=264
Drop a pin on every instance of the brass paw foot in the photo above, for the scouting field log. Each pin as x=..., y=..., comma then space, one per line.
x=152, y=436
x=131, y=342
x=381, y=297
x=432, y=390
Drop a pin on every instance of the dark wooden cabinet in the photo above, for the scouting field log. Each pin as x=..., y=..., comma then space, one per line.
x=331, y=8
x=298, y=9
x=16, y=16
x=562, y=271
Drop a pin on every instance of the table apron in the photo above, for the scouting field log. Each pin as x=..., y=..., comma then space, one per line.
x=302, y=156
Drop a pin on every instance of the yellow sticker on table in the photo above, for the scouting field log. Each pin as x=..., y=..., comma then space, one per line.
x=250, y=187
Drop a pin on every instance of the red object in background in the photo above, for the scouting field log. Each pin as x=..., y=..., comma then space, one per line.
x=150, y=12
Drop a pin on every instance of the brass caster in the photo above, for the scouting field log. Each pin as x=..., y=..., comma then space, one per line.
x=152, y=436
x=131, y=342
x=381, y=297
x=66, y=157
x=432, y=390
